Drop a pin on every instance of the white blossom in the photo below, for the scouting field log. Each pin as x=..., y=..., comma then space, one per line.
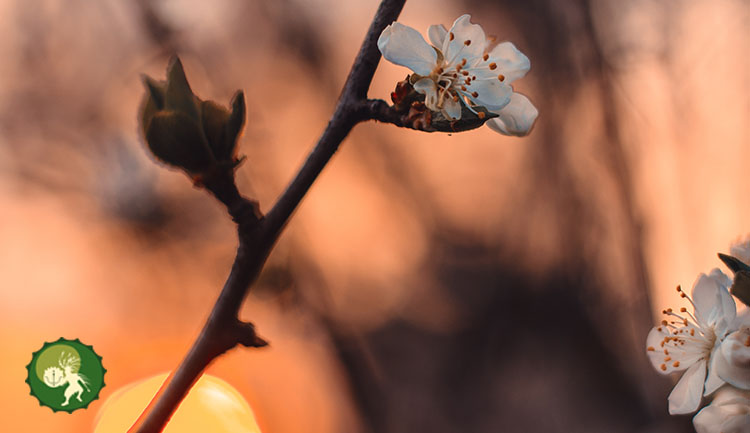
x=463, y=65
x=687, y=341
x=729, y=412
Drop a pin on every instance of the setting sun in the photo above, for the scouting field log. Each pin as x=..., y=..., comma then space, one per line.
x=212, y=405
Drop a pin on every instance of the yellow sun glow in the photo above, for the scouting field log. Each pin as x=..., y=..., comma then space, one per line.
x=211, y=406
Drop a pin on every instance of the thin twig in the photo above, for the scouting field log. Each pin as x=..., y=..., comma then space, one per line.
x=257, y=234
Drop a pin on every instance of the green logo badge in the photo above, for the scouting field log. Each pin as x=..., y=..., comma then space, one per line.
x=65, y=375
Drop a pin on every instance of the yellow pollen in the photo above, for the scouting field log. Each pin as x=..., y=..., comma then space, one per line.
x=467, y=42
x=474, y=94
x=451, y=36
x=676, y=364
x=664, y=367
x=493, y=66
x=485, y=57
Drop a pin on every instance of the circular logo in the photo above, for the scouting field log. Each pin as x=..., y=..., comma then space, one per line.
x=65, y=375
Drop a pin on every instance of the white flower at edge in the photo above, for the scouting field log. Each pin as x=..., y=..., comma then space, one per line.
x=462, y=64
x=729, y=412
x=733, y=358
x=687, y=342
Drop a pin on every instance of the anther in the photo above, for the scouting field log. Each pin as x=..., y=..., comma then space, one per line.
x=475, y=94
x=463, y=88
x=667, y=359
x=664, y=367
x=683, y=310
x=664, y=323
x=463, y=62
x=747, y=342
x=480, y=114
x=465, y=73
x=485, y=57
x=467, y=42
x=676, y=364
x=451, y=36
x=493, y=66
x=649, y=348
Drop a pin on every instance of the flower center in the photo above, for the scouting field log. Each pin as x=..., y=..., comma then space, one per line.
x=685, y=339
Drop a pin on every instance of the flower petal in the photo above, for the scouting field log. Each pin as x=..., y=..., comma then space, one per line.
x=428, y=88
x=511, y=62
x=729, y=412
x=686, y=395
x=517, y=118
x=468, y=41
x=437, y=34
x=405, y=46
x=733, y=359
x=711, y=304
x=452, y=109
x=713, y=381
x=491, y=94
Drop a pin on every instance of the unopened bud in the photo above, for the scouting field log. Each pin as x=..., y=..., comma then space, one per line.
x=186, y=132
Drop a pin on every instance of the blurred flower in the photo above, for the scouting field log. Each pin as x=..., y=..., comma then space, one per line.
x=688, y=341
x=741, y=250
x=461, y=65
x=728, y=413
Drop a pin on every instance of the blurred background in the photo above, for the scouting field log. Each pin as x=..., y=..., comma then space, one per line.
x=429, y=282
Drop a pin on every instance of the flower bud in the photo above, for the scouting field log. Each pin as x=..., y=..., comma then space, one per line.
x=186, y=132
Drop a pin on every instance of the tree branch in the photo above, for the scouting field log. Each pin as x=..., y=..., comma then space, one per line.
x=257, y=234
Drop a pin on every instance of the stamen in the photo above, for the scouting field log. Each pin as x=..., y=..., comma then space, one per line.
x=463, y=88
x=465, y=73
x=485, y=57
x=667, y=359
x=475, y=94
x=451, y=36
x=467, y=42
x=664, y=367
x=493, y=66
x=676, y=364
x=463, y=62
x=501, y=77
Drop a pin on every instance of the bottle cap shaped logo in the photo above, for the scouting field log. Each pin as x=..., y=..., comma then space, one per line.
x=65, y=375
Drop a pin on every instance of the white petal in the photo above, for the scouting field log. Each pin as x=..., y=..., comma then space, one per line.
x=517, y=118
x=729, y=412
x=404, y=46
x=733, y=359
x=686, y=395
x=711, y=305
x=491, y=94
x=451, y=108
x=428, y=88
x=463, y=30
x=713, y=381
x=510, y=61
x=437, y=34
